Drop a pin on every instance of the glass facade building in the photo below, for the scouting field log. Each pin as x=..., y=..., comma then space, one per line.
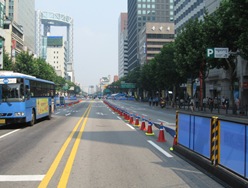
x=185, y=10
x=140, y=12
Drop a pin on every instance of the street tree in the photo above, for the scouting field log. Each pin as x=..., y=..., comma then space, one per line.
x=45, y=70
x=148, y=77
x=7, y=62
x=190, y=54
x=223, y=30
x=25, y=64
x=168, y=77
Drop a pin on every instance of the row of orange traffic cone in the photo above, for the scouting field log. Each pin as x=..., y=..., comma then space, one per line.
x=149, y=132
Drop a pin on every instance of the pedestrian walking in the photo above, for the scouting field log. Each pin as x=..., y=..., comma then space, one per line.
x=227, y=105
x=237, y=104
x=192, y=105
x=150, y=101
x=223, y=102
x=204, y=102
x=211, y=104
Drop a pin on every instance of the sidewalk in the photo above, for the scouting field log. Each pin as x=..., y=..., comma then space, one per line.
x=215, y=112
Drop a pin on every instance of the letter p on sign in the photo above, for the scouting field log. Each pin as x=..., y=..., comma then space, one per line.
x=210, y=52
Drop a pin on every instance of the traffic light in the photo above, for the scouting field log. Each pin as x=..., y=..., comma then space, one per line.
x=1, y=54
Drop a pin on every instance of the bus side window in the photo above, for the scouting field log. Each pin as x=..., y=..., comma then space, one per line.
x=21, y=91
x=27, y=91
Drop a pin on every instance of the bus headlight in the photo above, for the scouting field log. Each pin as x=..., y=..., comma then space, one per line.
x=19, y=113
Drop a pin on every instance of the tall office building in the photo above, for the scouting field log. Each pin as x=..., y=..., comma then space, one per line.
x=44, y=23
x=152, y=37
x=56, y=55
x=23, y=14
x=140, y=12
x=122, y=46
x=186, y=10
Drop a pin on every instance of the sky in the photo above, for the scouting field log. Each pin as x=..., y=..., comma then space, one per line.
x=95, y=42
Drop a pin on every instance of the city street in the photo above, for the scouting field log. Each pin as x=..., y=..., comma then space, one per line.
x=88, y=145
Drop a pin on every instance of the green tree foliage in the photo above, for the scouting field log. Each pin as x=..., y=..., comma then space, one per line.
x=148, y=76
x=227, y=32
x=45, y=71
x=168, y=76
x=7, y=62
x=25, y=64
x=239, y=14
x=189, y=48
x=60, y=82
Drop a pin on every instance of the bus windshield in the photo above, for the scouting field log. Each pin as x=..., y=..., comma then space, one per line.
x=11, y=92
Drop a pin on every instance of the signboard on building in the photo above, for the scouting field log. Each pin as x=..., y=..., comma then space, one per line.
x=128, y=85
x=55, y=41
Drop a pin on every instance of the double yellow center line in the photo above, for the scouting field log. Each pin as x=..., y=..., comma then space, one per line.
x=67, y=170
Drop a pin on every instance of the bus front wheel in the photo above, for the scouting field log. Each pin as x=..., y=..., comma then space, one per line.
x=32, y=122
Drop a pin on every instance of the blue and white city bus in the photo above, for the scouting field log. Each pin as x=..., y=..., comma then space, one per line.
x=24, y=98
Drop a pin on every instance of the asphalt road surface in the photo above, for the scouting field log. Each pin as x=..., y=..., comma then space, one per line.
x=88, y=145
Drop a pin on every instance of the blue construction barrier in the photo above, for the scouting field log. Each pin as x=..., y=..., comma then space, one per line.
x=230, y=146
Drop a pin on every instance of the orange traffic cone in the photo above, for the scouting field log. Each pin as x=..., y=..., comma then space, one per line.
x=149, y=130
x=125, y=116
x=175, y=141
x=143, y=125
x=131, y=120
x=128, y=117
x=137, y=121
x=161, y=134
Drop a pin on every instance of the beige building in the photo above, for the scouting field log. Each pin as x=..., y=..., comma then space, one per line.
x=152, y=38
x=14, y=42
x=56, y=55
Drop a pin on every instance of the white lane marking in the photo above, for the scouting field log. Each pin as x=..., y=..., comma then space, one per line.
x=164, y=121
x=67, y=114
x=100, y=113
x=113, y=113
x=119, y=118
x=159, y=148
x=144, y=115
x=4, y=178
x=9, y=133
x=130, y=126
x=170, y=125
x=57, y=113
